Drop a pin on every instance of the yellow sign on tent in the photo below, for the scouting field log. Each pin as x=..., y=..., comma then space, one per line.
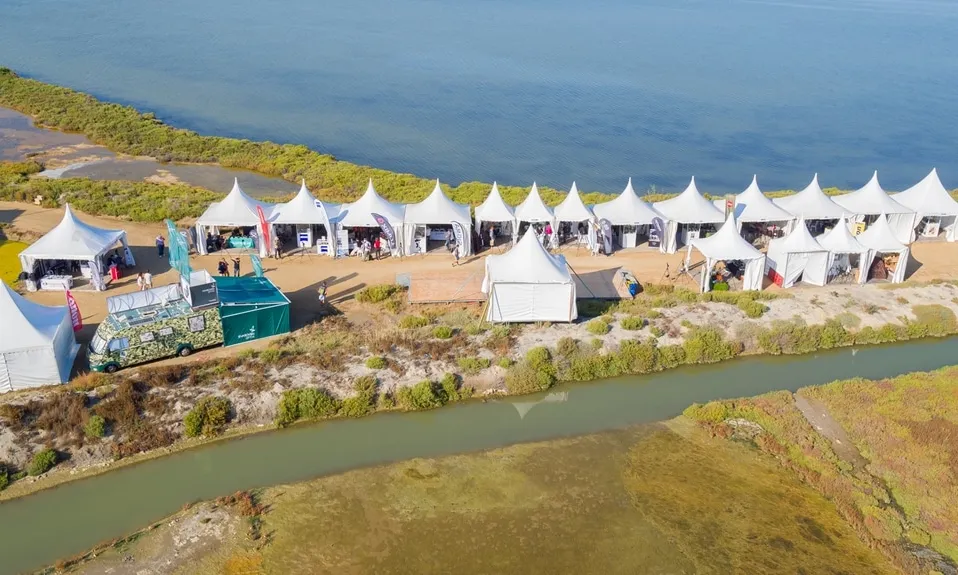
x=859, y=228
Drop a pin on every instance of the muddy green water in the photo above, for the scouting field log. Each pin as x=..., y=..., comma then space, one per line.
x=69, y=519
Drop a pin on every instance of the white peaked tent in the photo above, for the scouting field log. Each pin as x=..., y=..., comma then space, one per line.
x=811, y=204
x=754, y=206
x=872, y=200
x=235, y=210
x=841, y=244
x=495, y=210
x=690, y=208
x=533, y=209
x=305, y=210
x=37, y=346
x=572, y=208
x=528, y=284
x=797, y=255
x=930, y=199
x=880, y=239
x=73, y=239
x=437, y=209
x=726, y=245
x=359, y=214
x=628, y=209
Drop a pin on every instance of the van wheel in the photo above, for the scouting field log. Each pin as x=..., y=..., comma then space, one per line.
x=185, y=351
x=111, y=368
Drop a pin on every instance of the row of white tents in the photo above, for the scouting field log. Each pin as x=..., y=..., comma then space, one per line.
x=689, y=210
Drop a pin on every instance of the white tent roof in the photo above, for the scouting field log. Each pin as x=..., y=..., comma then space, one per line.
x=880, y=237
x=690, y=207
x=304, y=208
x=627, y=209
x=811, y=203
x=727, y=244
x=72, y=239
x=572, y=208
x=527, y=262
x=494, y=208
x=236, y=209
x=27, y=324
x=840, y=240
x=870, y=200
x=798, y=241
x=437, y=208
x=753, y=206
x=533, y=209
x=359, y=213
x=928, y=197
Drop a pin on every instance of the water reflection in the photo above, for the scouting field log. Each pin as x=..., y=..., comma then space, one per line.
x=525, y=407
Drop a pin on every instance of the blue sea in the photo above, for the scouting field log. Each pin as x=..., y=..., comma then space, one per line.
x=524, y=90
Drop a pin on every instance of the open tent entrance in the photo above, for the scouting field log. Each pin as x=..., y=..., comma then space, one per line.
x=889, y=257
x=496, y=220
x=796, y=258
x=431, y=225
x=233, y=239
x=731, y=263
x=75, y=255
x=233, y=224
x=305, y=224
x=847, y=257
x=357, y=225
x=936, y=210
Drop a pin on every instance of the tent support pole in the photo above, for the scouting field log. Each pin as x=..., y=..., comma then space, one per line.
x=581, y=280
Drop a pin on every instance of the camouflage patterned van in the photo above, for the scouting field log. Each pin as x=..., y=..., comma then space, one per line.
x=155, y=331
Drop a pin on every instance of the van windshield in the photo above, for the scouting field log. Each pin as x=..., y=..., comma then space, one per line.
x=98, y=344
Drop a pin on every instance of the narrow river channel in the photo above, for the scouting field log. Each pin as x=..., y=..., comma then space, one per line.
x=52, y=524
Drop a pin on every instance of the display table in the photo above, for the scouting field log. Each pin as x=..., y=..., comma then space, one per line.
x=239, y=242
x=437, y=235
x=60, y=283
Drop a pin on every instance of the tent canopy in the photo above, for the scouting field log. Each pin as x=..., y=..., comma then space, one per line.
x=841, y=241
x=798, y=241
x=72, y=239
x=626, y=209
x=928, y=197
x=690, y=207
x=236, y=209
x=753, y=206
x=871, y=200
x=304, y=208
x=572, y=208
x=533, y=209
x=797, y=255
x=727, y=244
x=527, y=262
x=359, y=213
x=437, y=209
x=880, y=237
x=811, y=203
x=494, y=208
x=37, y=345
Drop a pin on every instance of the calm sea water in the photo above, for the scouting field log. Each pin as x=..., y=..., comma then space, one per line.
x=524, y=90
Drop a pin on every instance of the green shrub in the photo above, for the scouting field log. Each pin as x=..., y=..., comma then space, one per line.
x=597, y=326
x=712, y=412
x=442, y=332
x=752, y=308
x=849, y=320
x=707, y=345
x=535, y=373
x=208, y=417
x=376, y=362
x=588, y=367
x=413, y=322
x=364, y=401
x=473, y=365
x=393, y=305
x=377, y=293
x=505, y=362
x=453, y=389
x=720, y=286
x=305, y=403
x=270, y=355
x=4, y=475
x=501, y=330
x=596, y=343
x=566, y=346
x=938, y=319
x=636, y=357
x=95, y=427
x=657, y=331
x=632, y=323
x=42, y=462
x=475, y=329
x=424, y=395
x=671, y=356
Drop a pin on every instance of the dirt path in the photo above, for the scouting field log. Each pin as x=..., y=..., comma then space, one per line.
x=817, y=415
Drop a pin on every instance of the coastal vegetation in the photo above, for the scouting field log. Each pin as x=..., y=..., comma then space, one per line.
x=885, y=456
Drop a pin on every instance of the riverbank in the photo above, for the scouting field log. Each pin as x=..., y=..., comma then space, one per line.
x=782, y=491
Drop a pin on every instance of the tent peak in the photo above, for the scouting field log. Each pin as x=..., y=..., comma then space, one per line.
x=573, y=189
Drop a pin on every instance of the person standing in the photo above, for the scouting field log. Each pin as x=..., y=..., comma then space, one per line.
x=492, y=236
x=322, y=293
x=277, y=248
x=236, y=267
x=148, y=280
x=160, y=245
x=140, y=282
x=377, y=246
x=223, y=268
x=455, y=252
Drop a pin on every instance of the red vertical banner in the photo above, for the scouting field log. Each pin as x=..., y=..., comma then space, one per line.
x=265, y=225
x=75, y=316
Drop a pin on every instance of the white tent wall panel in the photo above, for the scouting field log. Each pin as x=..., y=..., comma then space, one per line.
x=514, y=302
x=29, y=368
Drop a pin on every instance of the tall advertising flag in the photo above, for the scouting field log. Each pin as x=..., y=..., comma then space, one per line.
x=656, y=232
x=267, y=241
x=257, y=265
x=75, y=318
x=387, y=230
x=460, y=237
x=606, y=226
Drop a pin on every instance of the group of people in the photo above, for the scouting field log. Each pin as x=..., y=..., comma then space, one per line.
x=368, y=249
x=144, y=280
x=223, y=268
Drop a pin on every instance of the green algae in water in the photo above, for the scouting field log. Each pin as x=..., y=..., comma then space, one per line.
x=646, y=500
